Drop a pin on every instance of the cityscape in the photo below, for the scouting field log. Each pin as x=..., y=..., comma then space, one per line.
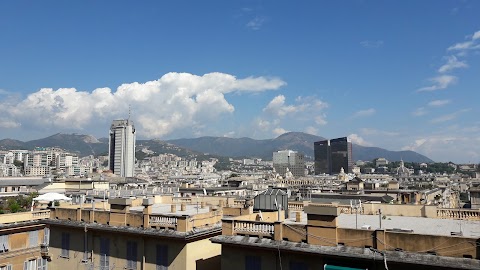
x=230, y=170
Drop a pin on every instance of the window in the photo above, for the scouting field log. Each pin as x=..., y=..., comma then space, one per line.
x=104, y=253
x=131, y=255
x=33, y=238
x=42, y=264
x=65, y=245
x=46, y=236
x=253, y=263
x=298, y=266
x=4, y=247
x=30, y=265
x=162, y=257
x=6, y=267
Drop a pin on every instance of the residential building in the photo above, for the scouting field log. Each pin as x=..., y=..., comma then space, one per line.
x=122, y=148
x=137, y=234
x=326, y=237
x=24, y=241
x=288, y=160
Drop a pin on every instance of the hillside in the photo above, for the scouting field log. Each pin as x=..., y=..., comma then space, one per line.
x=205, y=147
x=297, y=141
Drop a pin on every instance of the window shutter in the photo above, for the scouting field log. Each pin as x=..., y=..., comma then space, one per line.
x=162, y=257
x=46, y=236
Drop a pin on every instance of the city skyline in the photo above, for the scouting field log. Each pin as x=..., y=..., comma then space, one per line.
x=397, y=75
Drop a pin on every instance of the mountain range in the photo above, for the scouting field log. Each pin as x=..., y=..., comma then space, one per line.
x=221, y=146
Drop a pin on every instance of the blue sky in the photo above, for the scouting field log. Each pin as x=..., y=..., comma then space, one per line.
x=393, y=74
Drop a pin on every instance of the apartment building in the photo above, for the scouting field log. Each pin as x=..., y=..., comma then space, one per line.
x=24, y=241
x=152, y=233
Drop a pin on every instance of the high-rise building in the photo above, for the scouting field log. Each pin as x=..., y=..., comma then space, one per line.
x=322, y=157
x=122, y=148
x=333, y=155
x=292, y=160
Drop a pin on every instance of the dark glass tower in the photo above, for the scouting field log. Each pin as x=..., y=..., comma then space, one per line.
x=332, y=155
x=322, y=157
x=341, y=155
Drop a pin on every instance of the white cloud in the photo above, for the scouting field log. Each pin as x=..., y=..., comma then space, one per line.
x=176, y=101
x=449, y=117
x=356, y=139
x=320, y=120
x=278, y=115
x=8, y=123
x=279, y=131
x=471, y=44
x=452, y=63
x=439, y=82
x=438, y=103
x=461, y=46
x=419, y=112
x=364, y=113
x=311, y=130
x=447, y=147
x=376, y=132
x=256, y=23
x=278, y=108
x=372, y=43
x=476, y=35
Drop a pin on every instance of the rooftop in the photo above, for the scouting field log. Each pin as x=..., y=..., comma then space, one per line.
x=419, y=225
x=350, y=252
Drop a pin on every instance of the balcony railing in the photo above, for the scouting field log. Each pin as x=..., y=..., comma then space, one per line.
x=458, y=214
x=163, y=221
x=254, y=228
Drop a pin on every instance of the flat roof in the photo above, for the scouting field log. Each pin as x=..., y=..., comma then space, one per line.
x=349, y=252
x=419, y=225
x=165, y=209
x=209, y=231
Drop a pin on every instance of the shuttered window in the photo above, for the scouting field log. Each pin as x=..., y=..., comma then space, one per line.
x=4, y=246
x=131, y=255
x=253, y=263
x=104, y=253
x=42, y=264
x=46, y=236
x=65, y=245
x=162, y=257
x=33, y=238
x=30, y=265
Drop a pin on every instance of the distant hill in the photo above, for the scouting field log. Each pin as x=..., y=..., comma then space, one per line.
x=297, y=141
x=85, y=145
x=205, y=147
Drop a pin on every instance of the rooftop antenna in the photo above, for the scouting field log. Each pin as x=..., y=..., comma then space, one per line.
x=129, y=111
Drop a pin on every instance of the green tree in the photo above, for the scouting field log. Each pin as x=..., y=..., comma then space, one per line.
x=13, y=205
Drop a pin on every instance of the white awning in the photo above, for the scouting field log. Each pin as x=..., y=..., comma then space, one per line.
x=52, y=196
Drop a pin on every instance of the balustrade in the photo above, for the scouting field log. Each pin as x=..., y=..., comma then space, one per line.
x=254, y=228
x=163, y=221
x=458, y=214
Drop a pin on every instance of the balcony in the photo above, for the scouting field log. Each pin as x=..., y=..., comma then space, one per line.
x=465, y=214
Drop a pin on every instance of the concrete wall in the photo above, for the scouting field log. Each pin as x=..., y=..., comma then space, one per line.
x=407, y=210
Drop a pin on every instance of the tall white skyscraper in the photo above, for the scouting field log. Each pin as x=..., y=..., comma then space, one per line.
x=122, y=148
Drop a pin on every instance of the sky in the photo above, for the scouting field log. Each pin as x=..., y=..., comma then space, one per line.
x=401, y=75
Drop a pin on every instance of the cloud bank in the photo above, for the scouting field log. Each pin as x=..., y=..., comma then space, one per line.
x=176, y=101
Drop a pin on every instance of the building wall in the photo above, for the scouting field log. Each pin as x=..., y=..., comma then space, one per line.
x=20, y=248
x=122, y=148
x=201, y=254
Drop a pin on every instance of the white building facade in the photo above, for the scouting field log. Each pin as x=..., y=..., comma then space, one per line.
x=122, y=148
